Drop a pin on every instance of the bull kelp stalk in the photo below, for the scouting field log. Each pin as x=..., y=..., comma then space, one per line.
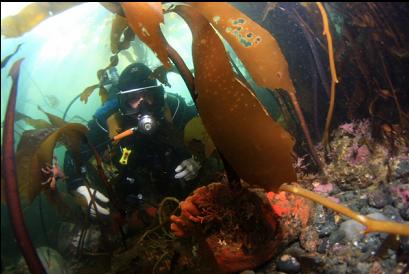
x=372, y=225
x=112, y=195
x=304, y=127
x=402, y=114
x=334, y=79
x=304, y=26
x=10, y=175
x=183, y=70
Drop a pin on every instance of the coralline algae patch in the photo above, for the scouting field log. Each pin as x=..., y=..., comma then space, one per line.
x=240, y=31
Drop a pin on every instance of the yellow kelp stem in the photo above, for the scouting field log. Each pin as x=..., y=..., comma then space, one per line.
x=327, y=34
x=372, y=225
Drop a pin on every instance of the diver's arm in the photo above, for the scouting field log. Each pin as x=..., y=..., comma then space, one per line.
x=188, y=169
x=74, y=178
x=75, y=182
x=97, y=138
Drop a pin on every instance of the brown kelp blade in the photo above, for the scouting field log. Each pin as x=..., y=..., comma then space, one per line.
x=129, y=36
x=119, y=24
x=17, y=117
x=257, y=147
x=35, y=150
x=87, y=93
x=259, y=52
x=29, y=169
x=113, y=61
x=144, y=18
x=37, y=123
x=32, y=15
x=255, y=46
x=54, y=120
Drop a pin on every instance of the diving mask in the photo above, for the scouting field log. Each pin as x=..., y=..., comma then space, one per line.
x=136, y=101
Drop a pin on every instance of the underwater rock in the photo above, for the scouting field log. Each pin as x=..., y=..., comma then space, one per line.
x=288, y=264
x=336, y=237
x=376, y=268
x=311, y=262
x=52, y=261
x=404, y=245
x=371, y=242
x=362, y=267
x=378, y=198
x=400, y=195
x=323, y=188
x=404, y=212
x=309, y=239
x=347, y=128
x=324, y=221
x=402, y=167
x=323, y=246
x=357, y=154
x=248, y=272
x=340, y=268
x=356, y=161
x=355, y=201
x=392, y=213
x=354, y=230
x=70, y=236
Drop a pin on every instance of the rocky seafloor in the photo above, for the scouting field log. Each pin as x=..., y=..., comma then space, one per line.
x=370, y=177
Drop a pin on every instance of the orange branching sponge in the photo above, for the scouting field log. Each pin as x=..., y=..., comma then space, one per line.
x=372, y=225
x=334, y=81
x=284, y=203
x=242, y=230
x=292, y=212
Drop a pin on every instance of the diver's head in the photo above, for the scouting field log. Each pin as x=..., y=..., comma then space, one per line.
x=141, y=99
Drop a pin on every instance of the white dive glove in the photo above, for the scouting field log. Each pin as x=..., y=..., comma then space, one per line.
x=188, y=169
x=98, y=196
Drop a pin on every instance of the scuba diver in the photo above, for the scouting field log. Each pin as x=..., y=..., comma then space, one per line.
x=139, y=134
